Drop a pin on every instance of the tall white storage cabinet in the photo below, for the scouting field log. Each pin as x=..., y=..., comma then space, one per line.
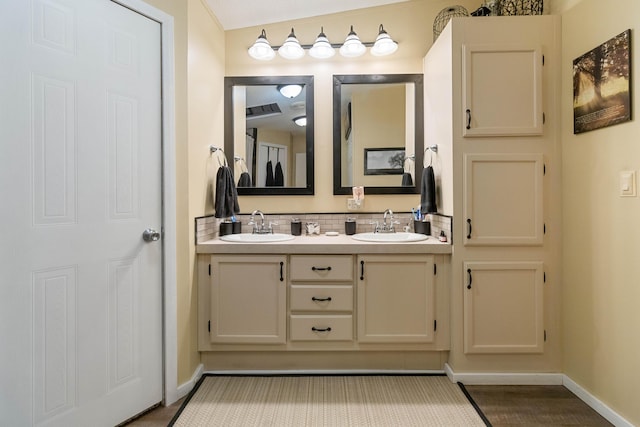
x=491, y=104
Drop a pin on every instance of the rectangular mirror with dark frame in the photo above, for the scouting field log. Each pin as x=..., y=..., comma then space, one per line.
x=378, y=133
x=268, y=133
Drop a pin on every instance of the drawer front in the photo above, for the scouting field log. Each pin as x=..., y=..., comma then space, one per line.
x=321, y=298
x=321, y=328
x=321, y=267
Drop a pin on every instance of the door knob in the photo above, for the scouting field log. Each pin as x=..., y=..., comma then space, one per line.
x=150, y=235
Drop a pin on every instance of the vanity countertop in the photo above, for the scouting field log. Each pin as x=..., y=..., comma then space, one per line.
x=323, y=244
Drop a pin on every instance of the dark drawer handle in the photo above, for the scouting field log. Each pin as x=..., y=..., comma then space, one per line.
x=320, y=299
x=321, y=268
x=361, y=270
x=314, y=329
x=469, y=228
x=470, y=278
x=468, y=118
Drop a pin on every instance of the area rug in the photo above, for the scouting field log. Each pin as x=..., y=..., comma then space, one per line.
x=361, y=400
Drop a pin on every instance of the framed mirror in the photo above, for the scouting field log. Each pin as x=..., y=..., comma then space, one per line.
x=378, y=133
x=268, y=134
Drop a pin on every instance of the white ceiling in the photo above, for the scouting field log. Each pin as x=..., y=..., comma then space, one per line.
x=234, y=14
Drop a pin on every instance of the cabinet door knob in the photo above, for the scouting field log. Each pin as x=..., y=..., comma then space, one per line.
x=361, y=270
x=470, y=278
x=469, y=228
x=468, y=119
x=281, y=271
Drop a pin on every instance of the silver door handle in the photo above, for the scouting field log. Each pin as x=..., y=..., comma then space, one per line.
x=150, y=235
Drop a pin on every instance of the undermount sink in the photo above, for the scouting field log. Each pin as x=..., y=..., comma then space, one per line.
x=400, y=237
x=257, y=238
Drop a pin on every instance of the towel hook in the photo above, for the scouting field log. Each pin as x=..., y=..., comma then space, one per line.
x=433, y=149
x=411, y=157
x=213, y=149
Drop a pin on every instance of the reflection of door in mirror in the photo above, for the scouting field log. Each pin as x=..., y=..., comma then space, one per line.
x=266, y=119
x=376, y=120
x=272, y=165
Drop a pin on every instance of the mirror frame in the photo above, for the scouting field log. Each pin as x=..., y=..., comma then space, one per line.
x=338, y=81
x=229, y=83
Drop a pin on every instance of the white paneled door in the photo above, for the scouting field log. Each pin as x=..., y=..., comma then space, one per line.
x=80, y=177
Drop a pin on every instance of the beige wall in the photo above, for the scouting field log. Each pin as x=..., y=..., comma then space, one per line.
x=199, y=72
x=205, y=127
x=601, y=244
x=184, y=247
x=409, y=23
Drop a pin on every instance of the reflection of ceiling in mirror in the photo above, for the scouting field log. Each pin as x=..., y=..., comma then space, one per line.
x=290, y=108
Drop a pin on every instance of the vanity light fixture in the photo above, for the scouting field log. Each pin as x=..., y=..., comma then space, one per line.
x=322, y=48
x=384, y=44
x=300, y=121
x=261, y=49
x=290, y=91
x=291, y=48
x=352, y=46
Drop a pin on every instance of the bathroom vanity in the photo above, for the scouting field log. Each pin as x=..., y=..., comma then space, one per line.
x=323, y=300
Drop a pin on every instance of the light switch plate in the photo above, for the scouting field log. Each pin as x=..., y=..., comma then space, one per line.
x=352, y=205
x=628, y=184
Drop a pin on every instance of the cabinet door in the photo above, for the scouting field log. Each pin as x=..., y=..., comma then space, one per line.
x=502, y=90
x=503, y=199
x=503, y=310
x=395, y=299
x=248, y=299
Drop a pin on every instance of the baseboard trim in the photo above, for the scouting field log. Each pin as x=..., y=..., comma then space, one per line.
x=500, y=378
x=595, y=403
x=184, y=389
x=326, y=372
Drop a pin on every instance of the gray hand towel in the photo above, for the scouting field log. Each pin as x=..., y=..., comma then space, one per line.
x=226, y=198
x=428, y=191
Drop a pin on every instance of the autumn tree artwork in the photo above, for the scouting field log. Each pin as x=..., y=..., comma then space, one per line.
x=601, y=95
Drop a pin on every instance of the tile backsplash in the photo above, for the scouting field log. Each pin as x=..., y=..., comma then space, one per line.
x=206, y=227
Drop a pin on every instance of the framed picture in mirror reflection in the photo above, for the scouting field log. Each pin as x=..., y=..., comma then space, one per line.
x=384, y=161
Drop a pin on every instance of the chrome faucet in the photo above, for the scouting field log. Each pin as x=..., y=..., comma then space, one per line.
x=387, y=226
x=260, y=228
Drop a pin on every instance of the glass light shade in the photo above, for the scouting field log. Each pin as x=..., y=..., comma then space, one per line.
x=352, y=46
x=261, y=49
x=291, y=48
x=322, y=48
x=300, y=120
x=384, y=44
x=290, y=91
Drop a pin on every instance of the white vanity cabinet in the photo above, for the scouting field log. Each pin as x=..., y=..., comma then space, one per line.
x=492, y=106
x=396, y=299
x=503, y=307
x=502, y=199
x=307, y=304
x=321, y=298
x=501, y=89
x=248, y=299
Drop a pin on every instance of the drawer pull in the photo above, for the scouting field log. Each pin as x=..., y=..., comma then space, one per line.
x=321, y=268
x=316, y=299
x=314, y=329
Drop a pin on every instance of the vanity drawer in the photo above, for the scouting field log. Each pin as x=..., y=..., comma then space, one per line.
x=321, y=267
x=321, y=298
x=321, y=328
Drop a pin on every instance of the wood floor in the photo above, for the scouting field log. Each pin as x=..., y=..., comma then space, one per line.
x=503, y=406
